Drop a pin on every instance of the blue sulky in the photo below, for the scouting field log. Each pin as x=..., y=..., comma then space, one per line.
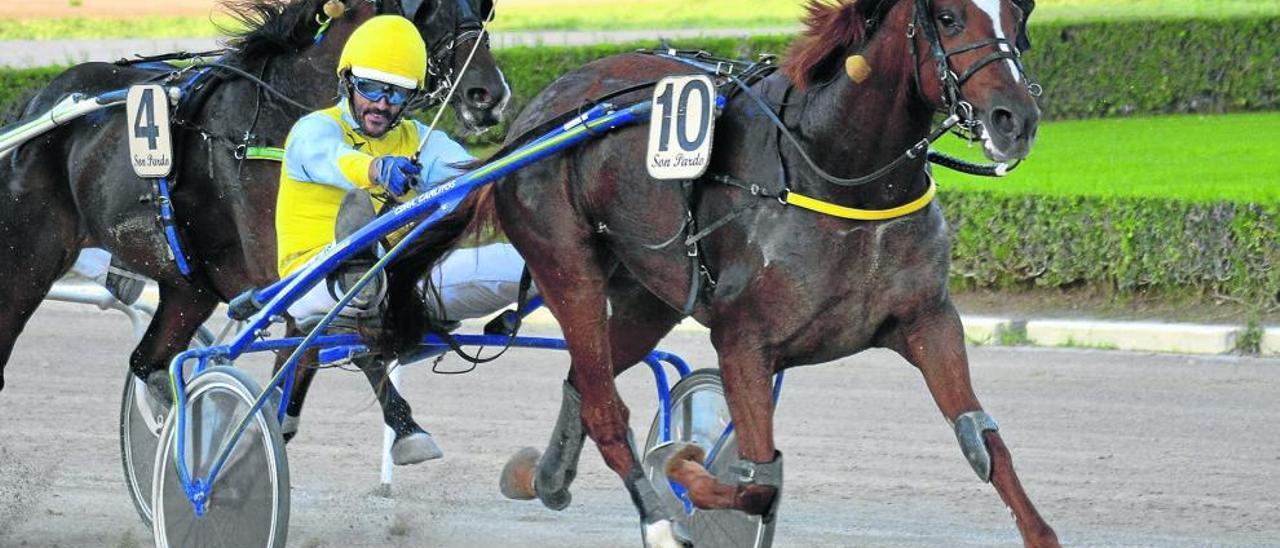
x=425, y=209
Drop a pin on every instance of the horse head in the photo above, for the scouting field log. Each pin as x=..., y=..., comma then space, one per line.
x=968, y=62
x=452, y=30
x=961, y=57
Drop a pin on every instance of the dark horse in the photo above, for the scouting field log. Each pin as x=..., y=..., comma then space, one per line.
x=787, y=286
x=73, y=187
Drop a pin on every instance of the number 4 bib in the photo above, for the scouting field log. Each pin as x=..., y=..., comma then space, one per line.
x=150, y=146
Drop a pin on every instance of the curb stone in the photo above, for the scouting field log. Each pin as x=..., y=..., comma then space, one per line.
x=1184, y=338
x=1271, y=341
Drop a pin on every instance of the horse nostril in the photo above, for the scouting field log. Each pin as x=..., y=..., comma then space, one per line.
x=1005, y=122
x=480, y=97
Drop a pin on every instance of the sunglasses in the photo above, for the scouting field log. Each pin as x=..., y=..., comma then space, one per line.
x=375, y=91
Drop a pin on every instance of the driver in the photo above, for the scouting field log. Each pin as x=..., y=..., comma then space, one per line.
x=360, y=151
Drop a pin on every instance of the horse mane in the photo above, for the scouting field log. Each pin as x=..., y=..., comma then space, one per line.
x=271, y=27
x=830, y=30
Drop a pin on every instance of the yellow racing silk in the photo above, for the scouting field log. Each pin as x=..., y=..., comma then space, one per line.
x=324, y=158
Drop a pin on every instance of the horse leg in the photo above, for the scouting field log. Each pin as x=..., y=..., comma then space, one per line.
x=747, y=369
x=37, y=244
x=28, y=267
x=639, y=321
x=182, y=310
x=303, y=375
x=576, y=293
x=413, y=444
x=934, y=343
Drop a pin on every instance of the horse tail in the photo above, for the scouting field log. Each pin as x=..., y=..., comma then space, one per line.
x=484, y=223
x=475, y=219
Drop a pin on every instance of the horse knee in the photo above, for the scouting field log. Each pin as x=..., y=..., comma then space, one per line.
x=970, y=428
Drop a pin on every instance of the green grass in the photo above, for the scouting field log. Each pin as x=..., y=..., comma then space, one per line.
x=84, y=27
x=1197, y=158
x=599, y=15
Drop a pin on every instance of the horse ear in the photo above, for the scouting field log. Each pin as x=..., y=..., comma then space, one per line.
x=1024, y=39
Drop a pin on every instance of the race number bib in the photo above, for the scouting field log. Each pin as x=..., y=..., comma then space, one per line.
x=150, y=147
x=680, y=127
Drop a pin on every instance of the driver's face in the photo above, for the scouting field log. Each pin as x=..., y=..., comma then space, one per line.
x=374, y=117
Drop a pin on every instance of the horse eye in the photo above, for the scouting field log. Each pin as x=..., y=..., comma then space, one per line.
x=947, y=19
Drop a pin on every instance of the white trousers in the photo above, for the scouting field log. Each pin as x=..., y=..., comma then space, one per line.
x=472, y=283
x=92, y=264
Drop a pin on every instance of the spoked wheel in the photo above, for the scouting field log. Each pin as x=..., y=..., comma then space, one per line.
x=248, y=503
x=700, y=415
x=140, y=424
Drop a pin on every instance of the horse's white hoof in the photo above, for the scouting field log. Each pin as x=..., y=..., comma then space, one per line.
x=415, y=448
x=663, y=534
x=289, y=427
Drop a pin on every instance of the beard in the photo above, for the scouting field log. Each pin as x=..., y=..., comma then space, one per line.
x=375, y=121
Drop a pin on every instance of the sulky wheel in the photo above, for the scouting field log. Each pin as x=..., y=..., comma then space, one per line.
x=700, y=415
x=140, y=424
x=248, y=503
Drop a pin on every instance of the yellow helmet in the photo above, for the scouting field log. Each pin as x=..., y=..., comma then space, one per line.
x=386, y=48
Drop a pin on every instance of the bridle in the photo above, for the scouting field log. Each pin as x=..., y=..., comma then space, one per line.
x=953, y=101
x=441, y=73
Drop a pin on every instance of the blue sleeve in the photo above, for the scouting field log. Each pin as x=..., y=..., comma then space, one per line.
x=312, y=152
x=440, y=157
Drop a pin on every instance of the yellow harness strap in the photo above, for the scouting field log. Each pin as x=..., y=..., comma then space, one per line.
x=828, y=208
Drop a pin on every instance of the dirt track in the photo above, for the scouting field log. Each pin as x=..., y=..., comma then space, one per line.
x=1115, y=448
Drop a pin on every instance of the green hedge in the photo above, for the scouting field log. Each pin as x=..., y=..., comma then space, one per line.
x=1088, y=70
x=17, y=84
x=1125, y=244
x=1157, y=67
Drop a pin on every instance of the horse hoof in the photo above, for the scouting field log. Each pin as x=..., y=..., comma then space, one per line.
x=557, y=500
x=160, y=392
x=415, y=448
x=289, y=428
x=516, y=482
x=666, y=534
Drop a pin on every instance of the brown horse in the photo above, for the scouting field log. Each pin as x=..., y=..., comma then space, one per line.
x=784, y=286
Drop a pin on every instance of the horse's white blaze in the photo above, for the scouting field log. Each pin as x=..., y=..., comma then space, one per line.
x=660, y=534
x=992, y=9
